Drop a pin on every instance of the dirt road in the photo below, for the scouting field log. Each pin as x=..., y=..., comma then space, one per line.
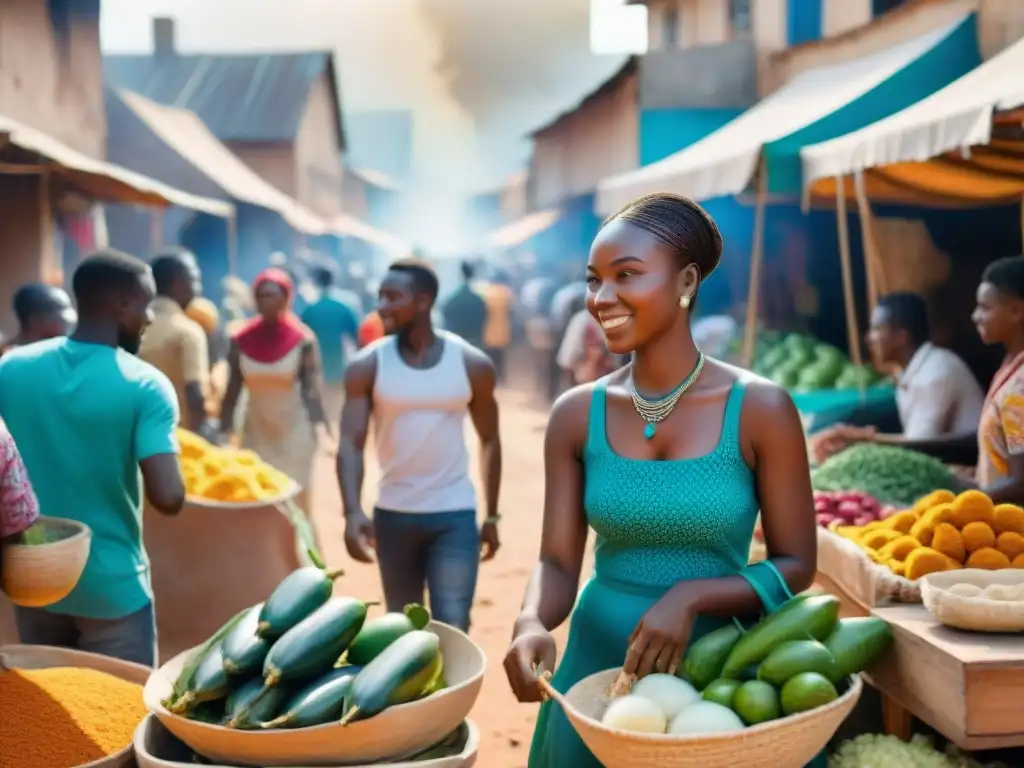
x=505, y=725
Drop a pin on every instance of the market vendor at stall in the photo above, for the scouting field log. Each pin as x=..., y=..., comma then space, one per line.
x=937, y=396
x=999, y=432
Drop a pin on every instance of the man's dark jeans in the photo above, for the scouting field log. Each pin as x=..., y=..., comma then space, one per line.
x=439, y=550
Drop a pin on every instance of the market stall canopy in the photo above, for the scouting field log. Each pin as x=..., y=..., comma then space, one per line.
x=187, y=135
x=346, y=225
x=102, y=180
x=991, y=175
x=817, y=104
x=521, y=230
x=957, y=117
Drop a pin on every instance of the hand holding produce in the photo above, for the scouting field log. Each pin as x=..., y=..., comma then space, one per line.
x=795, y=660
x=943, y=532
x=658, y=641
x=223, y=473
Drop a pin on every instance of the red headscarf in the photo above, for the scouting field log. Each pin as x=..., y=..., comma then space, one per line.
x=268, y=342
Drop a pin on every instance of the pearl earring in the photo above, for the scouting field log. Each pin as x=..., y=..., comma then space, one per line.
x=684, y=301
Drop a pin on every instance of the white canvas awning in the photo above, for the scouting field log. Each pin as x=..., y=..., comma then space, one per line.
x=187, y=135
x=106, y=181
x=724, y=162
x=346, y=225
x=521, y=230
x=957, y=117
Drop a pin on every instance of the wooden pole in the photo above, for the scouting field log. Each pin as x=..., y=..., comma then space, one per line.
x=852, y=329
x=872, y=259
x=756, y=263
x=156, y=228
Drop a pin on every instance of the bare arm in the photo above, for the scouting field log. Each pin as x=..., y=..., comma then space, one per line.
x=165, y=488
x=309, y=383
x=483, y=410
x=233, y=391
x=355, y=423
x=156, y=445
x=551, y=591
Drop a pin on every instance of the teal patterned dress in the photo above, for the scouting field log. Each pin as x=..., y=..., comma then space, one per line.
x=658, y=523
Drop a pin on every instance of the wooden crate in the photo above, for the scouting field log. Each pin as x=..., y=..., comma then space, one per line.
x=968, y=686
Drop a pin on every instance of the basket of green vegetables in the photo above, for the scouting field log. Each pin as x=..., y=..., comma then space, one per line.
x=43, y=564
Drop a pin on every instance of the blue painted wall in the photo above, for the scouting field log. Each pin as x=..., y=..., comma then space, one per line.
x=803, y=21
x=664, y=132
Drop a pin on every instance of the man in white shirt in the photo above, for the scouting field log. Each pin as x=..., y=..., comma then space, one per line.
x=936, y=394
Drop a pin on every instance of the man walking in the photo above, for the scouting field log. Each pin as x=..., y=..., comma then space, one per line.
x=87, y=416
x=175, y=343
x=465, y=311
x=419, y=384
x=335, y=323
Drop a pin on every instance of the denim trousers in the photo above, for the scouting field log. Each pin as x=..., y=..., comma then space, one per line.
x=130, y=638
x=436, y=550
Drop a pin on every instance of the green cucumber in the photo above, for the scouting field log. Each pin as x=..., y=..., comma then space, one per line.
x=248, y=707
x=793, y=657
x=244, y=651
x=188, y=672
x=319, y=702
x=376, y=635
x=210, y=682
x=312, y=647
x=397, y=676
x=799, y=619
x=705, y=658
x=856, y=644
x=296, y=597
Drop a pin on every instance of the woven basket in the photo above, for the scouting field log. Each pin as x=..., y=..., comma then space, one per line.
x=155, y=747
x=37, y=575
x=395, y=732
x=46, y=657
x=791, y=742
x=978, y=613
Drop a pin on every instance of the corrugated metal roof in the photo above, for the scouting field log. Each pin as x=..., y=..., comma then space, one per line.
x=246, y=97
x=628, y=68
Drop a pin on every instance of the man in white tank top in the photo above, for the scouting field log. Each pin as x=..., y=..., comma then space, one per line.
x=419, y=384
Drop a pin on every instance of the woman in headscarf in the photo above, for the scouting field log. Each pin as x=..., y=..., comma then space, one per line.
x=274, y=356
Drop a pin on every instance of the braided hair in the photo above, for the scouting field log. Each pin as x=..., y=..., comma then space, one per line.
x=680, y=224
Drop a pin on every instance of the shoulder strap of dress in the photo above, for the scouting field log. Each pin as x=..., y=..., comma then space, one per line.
x=733, y=410
x=597, y=437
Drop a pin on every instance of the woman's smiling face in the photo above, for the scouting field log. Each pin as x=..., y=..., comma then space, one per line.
x=635, y=285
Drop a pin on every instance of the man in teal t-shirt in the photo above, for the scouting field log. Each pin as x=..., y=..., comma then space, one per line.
x=87, y=415
x=335, y=322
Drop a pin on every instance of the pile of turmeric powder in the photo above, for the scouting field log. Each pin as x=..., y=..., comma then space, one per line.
x=943, y=532
x=64, y=717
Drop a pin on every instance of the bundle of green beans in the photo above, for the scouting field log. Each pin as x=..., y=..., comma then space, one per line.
x=892, y=475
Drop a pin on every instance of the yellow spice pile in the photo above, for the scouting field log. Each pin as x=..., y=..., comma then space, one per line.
x=65, y=716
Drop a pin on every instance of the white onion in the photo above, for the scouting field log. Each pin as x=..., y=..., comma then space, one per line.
x=669, y=692
x=704, y=717
x=634, y=713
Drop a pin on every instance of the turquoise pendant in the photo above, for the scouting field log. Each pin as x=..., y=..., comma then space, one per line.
x=649, y=430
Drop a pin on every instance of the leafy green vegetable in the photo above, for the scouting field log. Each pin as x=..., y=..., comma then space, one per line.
x=892, y=475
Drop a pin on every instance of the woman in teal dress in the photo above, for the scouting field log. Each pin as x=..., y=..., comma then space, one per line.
x=671, y=483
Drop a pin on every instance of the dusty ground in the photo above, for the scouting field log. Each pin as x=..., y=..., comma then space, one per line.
x=505, y=725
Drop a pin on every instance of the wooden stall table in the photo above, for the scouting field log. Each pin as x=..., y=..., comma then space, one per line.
x=968, y=686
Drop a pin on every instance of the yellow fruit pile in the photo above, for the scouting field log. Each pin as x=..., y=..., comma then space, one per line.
x=227, y=474
x=943, y=532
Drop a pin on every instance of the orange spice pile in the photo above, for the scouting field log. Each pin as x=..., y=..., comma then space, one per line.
x=65, y=716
